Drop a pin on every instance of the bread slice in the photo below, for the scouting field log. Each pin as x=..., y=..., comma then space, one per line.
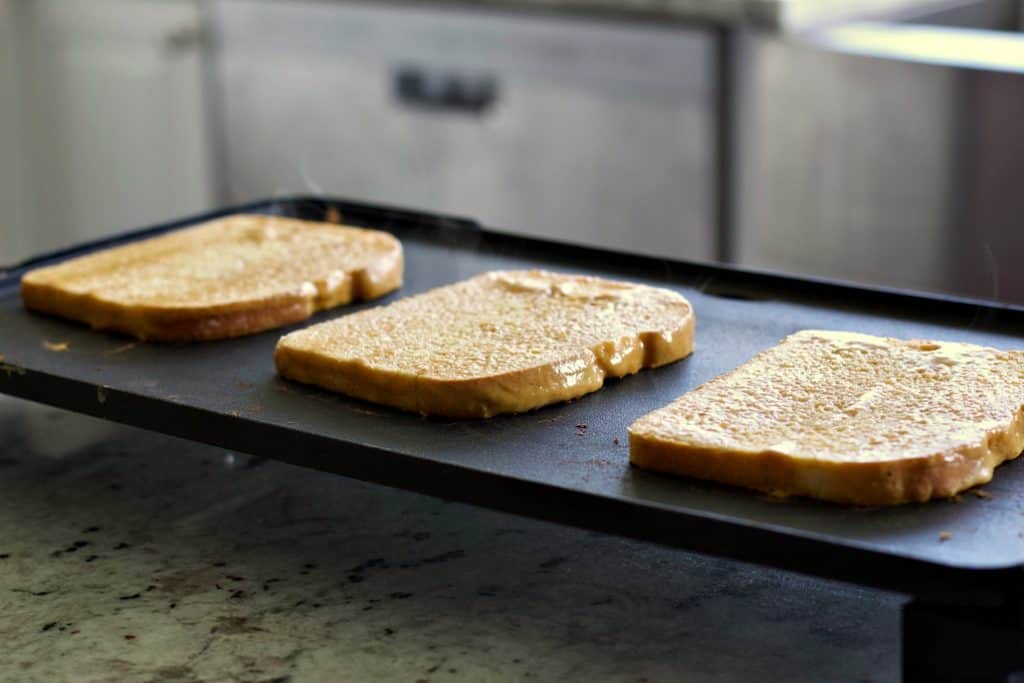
x=225, y=278
x=501, y=342
x=846, y=417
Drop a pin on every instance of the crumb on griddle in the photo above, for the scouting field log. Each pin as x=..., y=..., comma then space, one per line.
x=365, y=411
x=945, y=536
x=55, y=346
x=615, y=441
x=122, y=348
x=982, y=493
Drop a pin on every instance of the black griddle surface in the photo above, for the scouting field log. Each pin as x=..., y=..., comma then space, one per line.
x=539, y=464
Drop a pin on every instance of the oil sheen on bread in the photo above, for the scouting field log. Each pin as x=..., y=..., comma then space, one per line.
x=846, y=417
x=501, y=342
x=225, y=278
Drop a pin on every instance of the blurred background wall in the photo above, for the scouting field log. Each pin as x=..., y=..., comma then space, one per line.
x=103, y=119
x=889, y=152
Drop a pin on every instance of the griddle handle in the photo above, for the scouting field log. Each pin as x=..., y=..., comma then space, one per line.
x=451, y=91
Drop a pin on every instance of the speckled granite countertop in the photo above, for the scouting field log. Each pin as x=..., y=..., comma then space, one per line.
x=126, y=555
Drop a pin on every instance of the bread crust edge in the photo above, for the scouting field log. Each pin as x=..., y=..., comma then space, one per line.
x=209, y=323
x=489, y=395
x=886, y=482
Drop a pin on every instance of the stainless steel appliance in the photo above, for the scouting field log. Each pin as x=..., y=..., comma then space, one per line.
x=591, y=132
x=888, y=153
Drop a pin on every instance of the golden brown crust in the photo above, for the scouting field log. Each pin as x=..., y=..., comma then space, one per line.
x=44, y=291
x=510, y=392
x=513, y=391
x=858, y=483
x=889, y=480
x=179, y=325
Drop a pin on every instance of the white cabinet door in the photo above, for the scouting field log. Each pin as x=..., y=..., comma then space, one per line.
x=599, y=134
x=111, y=121
x=13, y=201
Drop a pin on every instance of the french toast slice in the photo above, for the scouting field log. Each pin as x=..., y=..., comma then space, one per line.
x=846, y=417
x=224, y=278
x=501, y=342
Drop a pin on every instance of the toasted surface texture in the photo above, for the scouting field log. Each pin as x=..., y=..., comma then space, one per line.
x=500, y=342
x=225, y=278
x=846, y=417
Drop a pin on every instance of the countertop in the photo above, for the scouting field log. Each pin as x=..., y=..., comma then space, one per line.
x=128, y=555
x=774, y=15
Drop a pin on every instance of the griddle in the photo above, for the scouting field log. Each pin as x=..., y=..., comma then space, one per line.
x=565, y=463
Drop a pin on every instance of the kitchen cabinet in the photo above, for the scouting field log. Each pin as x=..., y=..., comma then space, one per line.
x=104, y=116
x=847, y=167
x=592, y=132
x=12, y=198
x=888, y=153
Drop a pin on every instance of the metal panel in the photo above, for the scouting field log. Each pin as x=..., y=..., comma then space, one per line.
x=886, y=154
x=847, y=171
x=598, y=134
